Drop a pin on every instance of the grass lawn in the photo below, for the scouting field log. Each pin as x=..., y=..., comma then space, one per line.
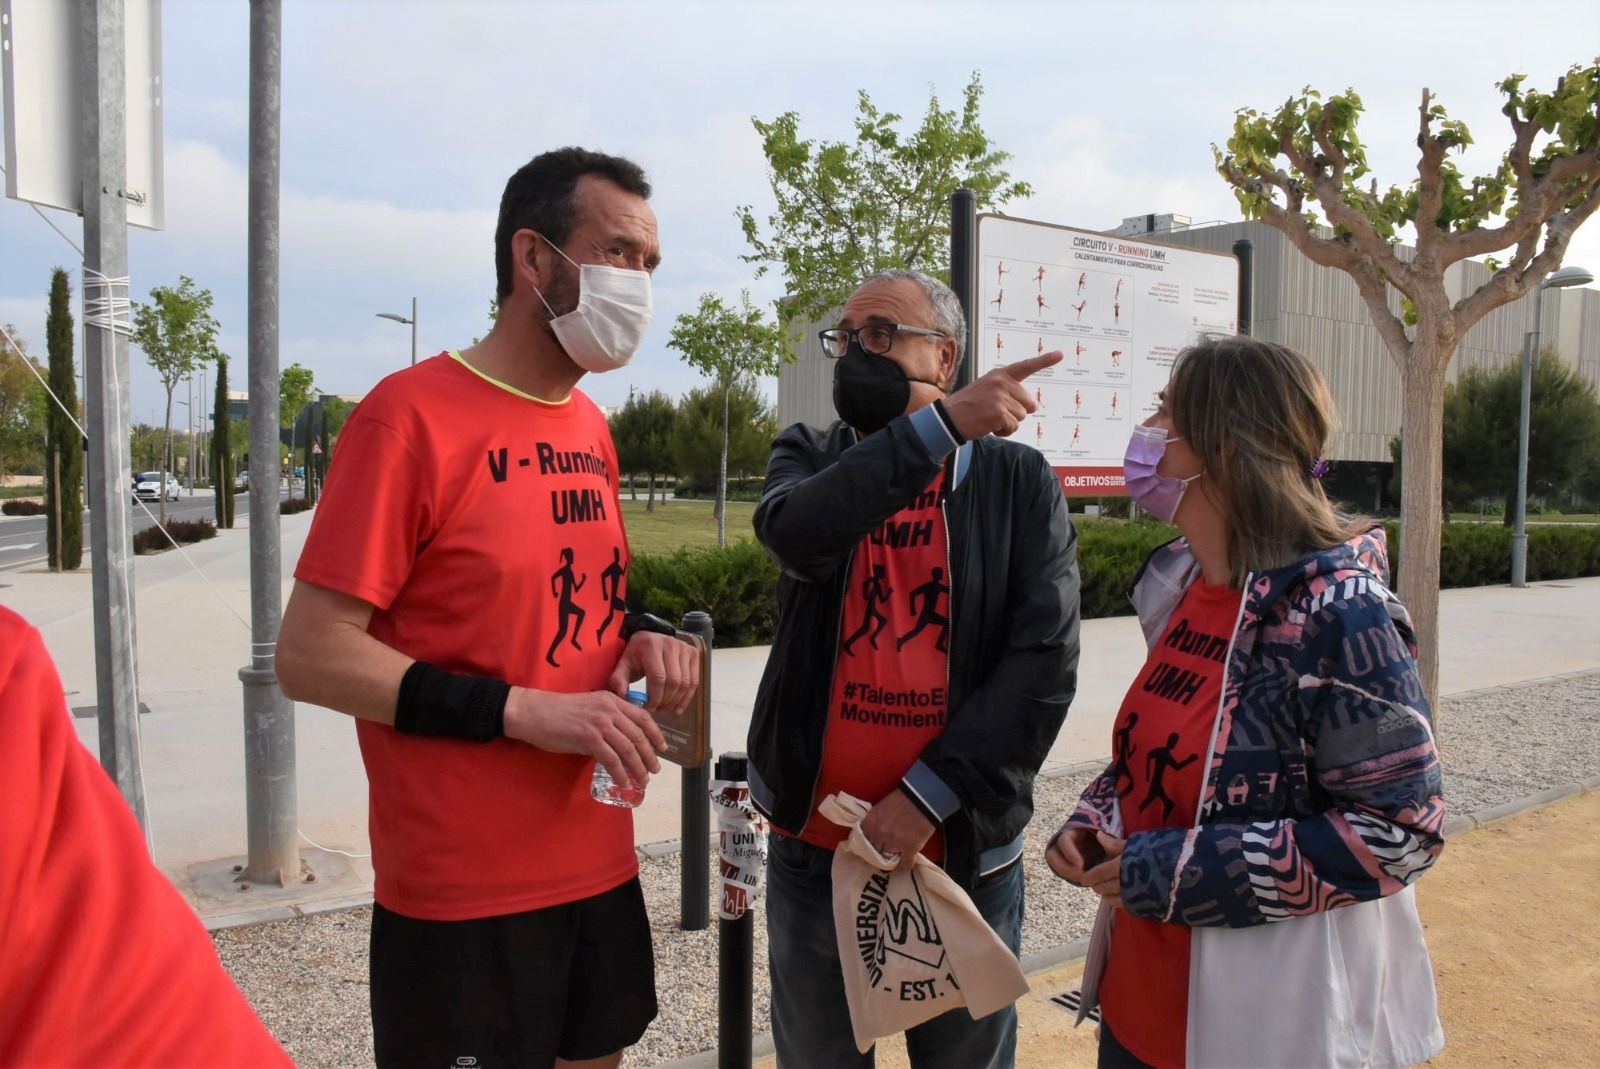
x=9, y=492
x=675, y=524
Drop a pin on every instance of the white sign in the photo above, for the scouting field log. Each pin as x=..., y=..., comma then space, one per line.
x=42, y=51
x=1120, y=310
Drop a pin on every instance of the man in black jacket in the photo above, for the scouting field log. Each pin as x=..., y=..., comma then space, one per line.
x=909, y=508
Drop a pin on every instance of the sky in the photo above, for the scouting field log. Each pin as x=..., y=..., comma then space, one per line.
x=402, y=121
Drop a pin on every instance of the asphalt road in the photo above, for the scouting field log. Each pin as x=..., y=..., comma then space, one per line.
x=22, y=537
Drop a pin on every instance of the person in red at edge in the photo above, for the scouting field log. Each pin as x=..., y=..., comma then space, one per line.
x=449, y=597
x=101, y=961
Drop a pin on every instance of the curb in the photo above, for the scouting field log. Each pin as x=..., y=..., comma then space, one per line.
x=1042, y=961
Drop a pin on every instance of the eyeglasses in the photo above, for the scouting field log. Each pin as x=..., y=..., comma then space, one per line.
x=875, y=338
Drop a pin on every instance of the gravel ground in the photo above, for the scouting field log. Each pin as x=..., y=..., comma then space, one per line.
x=308, y=978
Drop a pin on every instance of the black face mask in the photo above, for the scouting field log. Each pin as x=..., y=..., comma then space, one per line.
x=870, y=390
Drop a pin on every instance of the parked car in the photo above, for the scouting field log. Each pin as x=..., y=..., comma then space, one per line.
x=147, y=486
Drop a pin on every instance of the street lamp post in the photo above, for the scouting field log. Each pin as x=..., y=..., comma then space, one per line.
x=1567, y=276
x=402, y=319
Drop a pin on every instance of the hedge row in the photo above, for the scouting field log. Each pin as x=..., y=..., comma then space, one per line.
x=745, y=489
x=151, y=540
x=22, y=507
x=738, y=585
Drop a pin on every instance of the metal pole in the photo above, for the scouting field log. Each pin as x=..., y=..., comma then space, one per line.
x=736, y=952
x=1245, y=250
x=1519, y=534
x=964, y=271
x=103, y=119
x=694, y=908
x=274, y=857
x=413, y=332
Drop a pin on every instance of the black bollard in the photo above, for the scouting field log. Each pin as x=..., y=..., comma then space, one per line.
x=694, y=910
x=736, y=948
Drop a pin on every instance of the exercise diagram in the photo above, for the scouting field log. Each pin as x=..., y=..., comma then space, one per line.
x=1077, y=432
x=1042, y=305
x=1079, y=307
x=1117, y=296
x=1113, y=403
x=999, y=343
x=1116, y=358
x=1000, y=273
x=999, y=301
x=1116, y=312
x=1083, y=280
x=1077, y=402
x=1077, y=352
x=1039, y=351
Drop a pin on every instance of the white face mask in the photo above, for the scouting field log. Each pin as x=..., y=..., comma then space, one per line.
x=606, y=328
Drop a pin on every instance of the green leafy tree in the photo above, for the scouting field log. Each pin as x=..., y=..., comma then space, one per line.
x=222, y=456
x=1546, y=184
x=642, y=433
x=697, y=432
x=145, y=446
x=294, y=393
x=22, y=412
x=178, y=334
x=63, y=473
x=846, y=210
x=730, y=345
x=1482, y=419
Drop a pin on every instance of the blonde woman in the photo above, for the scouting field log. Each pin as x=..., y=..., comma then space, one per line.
x=1274, y=790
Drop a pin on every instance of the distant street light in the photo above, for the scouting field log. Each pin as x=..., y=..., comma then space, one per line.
x=402, y=319
x=1567, y=276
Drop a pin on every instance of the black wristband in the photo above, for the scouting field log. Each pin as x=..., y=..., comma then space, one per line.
x=949, y=424
x=634, y=622
x=450, y=705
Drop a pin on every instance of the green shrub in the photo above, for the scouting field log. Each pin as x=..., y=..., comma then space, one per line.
x=739, y=489
x=1110, y=553
x=184, y=532
x=1562, y=552
x=22, y=508
x=738, y=586
x=291, y=505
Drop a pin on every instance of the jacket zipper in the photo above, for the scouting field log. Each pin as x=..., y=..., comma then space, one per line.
x=950, y=576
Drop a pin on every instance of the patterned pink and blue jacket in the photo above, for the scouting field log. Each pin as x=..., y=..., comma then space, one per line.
x=1323, y=792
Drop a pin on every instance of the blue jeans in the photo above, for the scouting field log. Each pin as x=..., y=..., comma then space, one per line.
x=810, y=1017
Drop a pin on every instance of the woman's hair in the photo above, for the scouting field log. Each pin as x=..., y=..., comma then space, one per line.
x=1259, y=416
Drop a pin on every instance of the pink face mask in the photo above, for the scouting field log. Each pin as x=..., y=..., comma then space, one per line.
x=1157, y=494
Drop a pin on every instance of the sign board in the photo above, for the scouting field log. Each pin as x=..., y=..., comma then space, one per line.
x=1119, y=308
x=44, y=66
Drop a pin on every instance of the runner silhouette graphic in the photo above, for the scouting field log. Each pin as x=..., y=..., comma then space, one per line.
x=611, y=589
x=875, y=592
x=563, y=584
x=930, y=593
x=1124, y=749
x=1156, y=764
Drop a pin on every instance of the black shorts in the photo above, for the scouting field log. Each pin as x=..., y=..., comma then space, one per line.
x=573, y=981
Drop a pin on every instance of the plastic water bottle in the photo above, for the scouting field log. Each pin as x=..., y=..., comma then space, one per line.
x=605, y=790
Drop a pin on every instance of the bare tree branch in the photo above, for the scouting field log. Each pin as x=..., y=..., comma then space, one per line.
x=1513, y=281
x=1430, y=188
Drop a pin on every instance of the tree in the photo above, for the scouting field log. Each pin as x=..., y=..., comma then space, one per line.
x=697, y=441
x=845, y=211
x=642, y=433
x=222, y=462
x=294, y=393
x=729, y=344
x=22, y=410
x=1482, y=418
x=1547, y=183
x=178, y=334
x=63, y=473
x=145, y=446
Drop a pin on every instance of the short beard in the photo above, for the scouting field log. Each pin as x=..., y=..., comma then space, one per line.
x=561, y=295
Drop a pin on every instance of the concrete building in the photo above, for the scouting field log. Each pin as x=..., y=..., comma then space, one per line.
x=1317, y=311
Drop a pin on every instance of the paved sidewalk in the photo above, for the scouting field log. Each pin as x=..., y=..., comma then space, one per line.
x=193, y=639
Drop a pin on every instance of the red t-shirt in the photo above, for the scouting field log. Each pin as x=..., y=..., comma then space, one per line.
x=101, y=961
x=892, y=673
x=484, y=526
x=1159, y=753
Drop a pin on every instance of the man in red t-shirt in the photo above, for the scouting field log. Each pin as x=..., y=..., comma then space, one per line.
x=456, y=595
x=101, y=962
